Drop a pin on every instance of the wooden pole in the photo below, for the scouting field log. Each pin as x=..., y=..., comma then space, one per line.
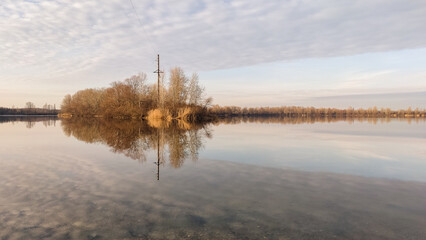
x=158, y=79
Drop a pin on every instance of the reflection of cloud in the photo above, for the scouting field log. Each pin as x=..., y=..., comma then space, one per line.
x=94, y=196
x=63, y=189
x=352, y=147
x=373, y=142
x=357, y=150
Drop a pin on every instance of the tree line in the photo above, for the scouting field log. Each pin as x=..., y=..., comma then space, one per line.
x=295, y=111
x=309, y=120
x=134, y=98
x=183, y=98
x=28, y=111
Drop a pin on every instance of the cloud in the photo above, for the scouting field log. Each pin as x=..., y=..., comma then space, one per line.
x=72, y=45
x=367, y=79
x=57, y=37
x=396, y=100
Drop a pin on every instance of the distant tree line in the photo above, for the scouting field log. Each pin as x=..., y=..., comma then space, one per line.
x=308, y=120
x=134, y=98
x=28, y=111
x=294, y=111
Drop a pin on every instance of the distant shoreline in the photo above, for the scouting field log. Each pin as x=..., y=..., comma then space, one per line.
x=29, y=115
x=30, y=111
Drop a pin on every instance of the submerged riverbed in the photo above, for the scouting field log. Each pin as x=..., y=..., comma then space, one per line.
x=237, y=179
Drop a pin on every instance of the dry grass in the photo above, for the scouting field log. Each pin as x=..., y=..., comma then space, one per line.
x=64, y=115
x=159, y=118
x=159, y=114
x=158, y=123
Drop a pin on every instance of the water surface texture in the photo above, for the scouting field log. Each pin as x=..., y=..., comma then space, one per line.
x=237, y=179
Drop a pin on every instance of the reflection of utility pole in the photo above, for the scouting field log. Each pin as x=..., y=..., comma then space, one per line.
x=158, y=79
x=158, y=155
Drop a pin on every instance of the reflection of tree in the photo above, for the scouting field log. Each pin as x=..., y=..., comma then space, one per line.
x=30, y=124
x=311, y=112
x=49, y=122
x=126, y=137
x=30, y=121
x=177, y=140
x=195, y=143
x=304, y=120
x=134, y=138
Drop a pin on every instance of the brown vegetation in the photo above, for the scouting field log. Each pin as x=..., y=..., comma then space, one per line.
x=311, y=112
x=309, y=120
x=183, y=99
x=134, y=98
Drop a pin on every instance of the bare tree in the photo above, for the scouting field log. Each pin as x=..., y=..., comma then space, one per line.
x=133, y=98
x=177, y=87
x=66, y=104
x=195, y=91
x=137, y=83
x=29, y=105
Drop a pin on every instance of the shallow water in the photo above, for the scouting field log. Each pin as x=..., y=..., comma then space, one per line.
x=270, y=179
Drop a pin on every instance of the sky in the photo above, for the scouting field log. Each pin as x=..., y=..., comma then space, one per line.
x=329, y=53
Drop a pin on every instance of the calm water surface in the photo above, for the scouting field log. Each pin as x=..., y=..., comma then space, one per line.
x=266, y=179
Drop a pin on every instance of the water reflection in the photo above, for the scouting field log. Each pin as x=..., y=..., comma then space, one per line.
x=30, y=121
x=181, y=140
x=174, y=142
x=56, y=187
x=312, y=120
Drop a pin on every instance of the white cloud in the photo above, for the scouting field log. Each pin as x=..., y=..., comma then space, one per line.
x=62, y=35
x=41, y=40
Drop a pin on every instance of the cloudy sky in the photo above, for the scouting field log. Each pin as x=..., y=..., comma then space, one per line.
x=334, y=53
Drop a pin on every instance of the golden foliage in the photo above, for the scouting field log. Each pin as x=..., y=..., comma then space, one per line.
x=132, y=98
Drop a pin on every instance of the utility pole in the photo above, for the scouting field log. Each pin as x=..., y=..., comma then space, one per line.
x=158, y=103
x=158, y=79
